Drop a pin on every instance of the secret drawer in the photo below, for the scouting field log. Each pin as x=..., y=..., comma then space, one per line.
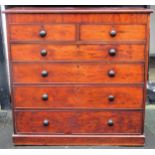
x=53, y=32
x=47, y=52
x=113, y=32
x=78, y=122
x=78, y=96
x=112, y=18
x=78, y=72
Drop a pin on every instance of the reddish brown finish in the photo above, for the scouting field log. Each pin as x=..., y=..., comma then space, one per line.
x=77, y=18
x=81, y=140
x=31, y=52
x=78, y=96
x=77, y=62
x=54, y=32
x=101, y=32
x=78, y=122
x=78, y=72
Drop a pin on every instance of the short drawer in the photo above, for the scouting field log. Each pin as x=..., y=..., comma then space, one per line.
x=47, y=52
x=78, y=96
x=113, y=32
x=78, y=122
x=53, y=32
x=78, y=72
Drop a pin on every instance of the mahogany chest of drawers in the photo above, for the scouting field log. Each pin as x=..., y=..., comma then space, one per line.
x=78, y=75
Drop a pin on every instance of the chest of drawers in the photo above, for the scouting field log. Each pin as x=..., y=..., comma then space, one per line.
x=78, y=75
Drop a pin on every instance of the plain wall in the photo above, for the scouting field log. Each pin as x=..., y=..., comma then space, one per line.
x=152, y=33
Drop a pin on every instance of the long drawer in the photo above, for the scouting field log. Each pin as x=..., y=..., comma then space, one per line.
x=78, y=72
x=48, y=52
x=78, y=96
x=78, y=122
x=90, y=18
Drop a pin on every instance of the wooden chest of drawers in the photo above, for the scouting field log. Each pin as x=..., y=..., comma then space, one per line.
x=78, y=75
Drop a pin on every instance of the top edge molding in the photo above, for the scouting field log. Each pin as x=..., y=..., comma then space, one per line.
x=57, y=10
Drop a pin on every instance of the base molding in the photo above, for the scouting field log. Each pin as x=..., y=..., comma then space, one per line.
x=80, y=140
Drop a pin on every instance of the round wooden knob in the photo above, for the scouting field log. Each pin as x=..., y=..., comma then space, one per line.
x=45, y=122
x=45, y=97
x=113, y=33
x=111, y=98
x=43, y=52
x=110, y=122
x=111, y=73
x=44, y=73
x=112, y=52
x=42, y=33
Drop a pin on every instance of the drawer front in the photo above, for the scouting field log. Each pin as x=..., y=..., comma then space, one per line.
x=43, y=52
x=77, y=72
x=77, y=18
x=122, y=32
x=61, y=96
x=59, y=32
x=79, y=122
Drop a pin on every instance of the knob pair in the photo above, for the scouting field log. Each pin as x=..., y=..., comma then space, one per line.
x=110, y=122
x=43, y=33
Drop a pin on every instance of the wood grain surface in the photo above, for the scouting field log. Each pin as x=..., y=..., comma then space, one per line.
x=77, y=110
x=32, y=52
x=78, y=122
x=78, y=72
x=75, y=96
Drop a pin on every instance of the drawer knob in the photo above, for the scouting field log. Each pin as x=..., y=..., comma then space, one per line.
x=112, y=52
x=111, y=73
x=111, y=98
x=43, y=52
x=110, y=122
x=44, y=73
x=113, y=33
x=45, y=97
x=45, y=122
x=42, y=33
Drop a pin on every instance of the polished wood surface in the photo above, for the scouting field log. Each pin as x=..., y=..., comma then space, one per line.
x=79, y=140
x=77, y=72
x=78, y=76
x=101, y=32
x=75, y=96
x=78, y=122
x=54, y=32
x=124, y=18
x=32, y=52
x=86, y=32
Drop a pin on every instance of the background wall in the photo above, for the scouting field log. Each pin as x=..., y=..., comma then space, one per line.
x=152, y=37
